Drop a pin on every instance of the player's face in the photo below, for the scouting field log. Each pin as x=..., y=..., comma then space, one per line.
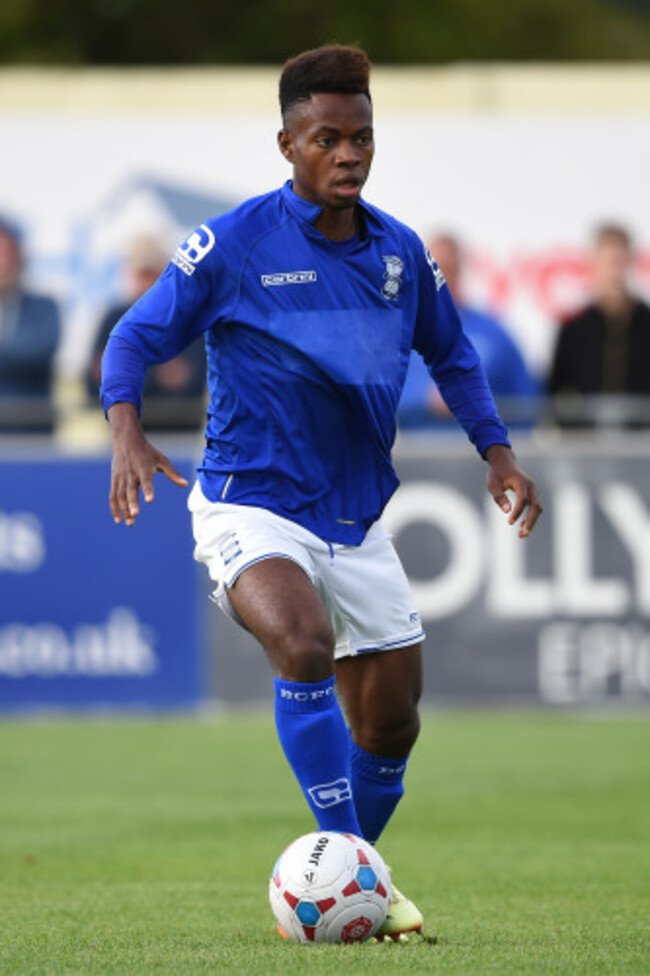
x=329, y=142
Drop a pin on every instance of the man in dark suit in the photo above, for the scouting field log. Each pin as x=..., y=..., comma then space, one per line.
x=601, y=367
x=29, y=334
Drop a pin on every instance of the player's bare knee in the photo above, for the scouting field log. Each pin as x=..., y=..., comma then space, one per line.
x=305, y=657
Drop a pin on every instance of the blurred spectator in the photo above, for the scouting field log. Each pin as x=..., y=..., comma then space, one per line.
x=512, y=384
x=175, y=390
x=600, y=374
x=29, y=333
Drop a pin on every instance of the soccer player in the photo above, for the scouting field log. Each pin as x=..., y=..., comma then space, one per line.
x=310, y=301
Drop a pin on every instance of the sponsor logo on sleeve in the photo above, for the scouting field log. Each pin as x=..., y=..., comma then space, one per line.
x=194, y=249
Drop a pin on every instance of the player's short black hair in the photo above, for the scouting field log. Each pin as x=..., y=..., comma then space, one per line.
x=335, y=68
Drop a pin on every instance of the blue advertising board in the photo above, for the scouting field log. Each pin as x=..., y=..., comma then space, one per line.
x=94, y=614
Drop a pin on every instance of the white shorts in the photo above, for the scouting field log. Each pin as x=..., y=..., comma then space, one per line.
x=364, y=588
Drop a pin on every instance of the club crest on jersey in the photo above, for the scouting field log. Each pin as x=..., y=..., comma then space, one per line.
x=194, y=249
x=392, y=276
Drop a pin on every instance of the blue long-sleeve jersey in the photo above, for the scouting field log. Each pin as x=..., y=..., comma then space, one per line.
x=308, y=342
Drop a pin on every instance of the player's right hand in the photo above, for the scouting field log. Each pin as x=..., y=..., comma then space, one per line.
x=135, y=461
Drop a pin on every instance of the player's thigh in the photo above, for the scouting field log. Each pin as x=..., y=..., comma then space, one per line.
x=279, y=604
x=263, y=569
x=380, y=694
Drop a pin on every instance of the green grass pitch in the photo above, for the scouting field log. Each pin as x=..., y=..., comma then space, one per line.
x=142, y=846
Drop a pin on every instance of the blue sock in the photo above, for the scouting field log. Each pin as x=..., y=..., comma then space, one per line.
x=377, y=785
x=315, y=740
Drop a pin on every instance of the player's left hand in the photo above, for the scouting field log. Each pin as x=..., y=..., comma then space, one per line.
x=505, y=475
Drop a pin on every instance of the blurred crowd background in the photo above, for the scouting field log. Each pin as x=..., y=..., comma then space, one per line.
x=514, y=137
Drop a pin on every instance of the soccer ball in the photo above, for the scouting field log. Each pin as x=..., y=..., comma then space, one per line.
x=329, y=887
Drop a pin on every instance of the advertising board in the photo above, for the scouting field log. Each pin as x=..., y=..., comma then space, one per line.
x=93, y=614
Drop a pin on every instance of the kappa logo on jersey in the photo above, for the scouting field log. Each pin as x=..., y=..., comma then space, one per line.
x=288, y=278
x=435, y=270
x=392, y=276
x=194, y=249
x=329, y=794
